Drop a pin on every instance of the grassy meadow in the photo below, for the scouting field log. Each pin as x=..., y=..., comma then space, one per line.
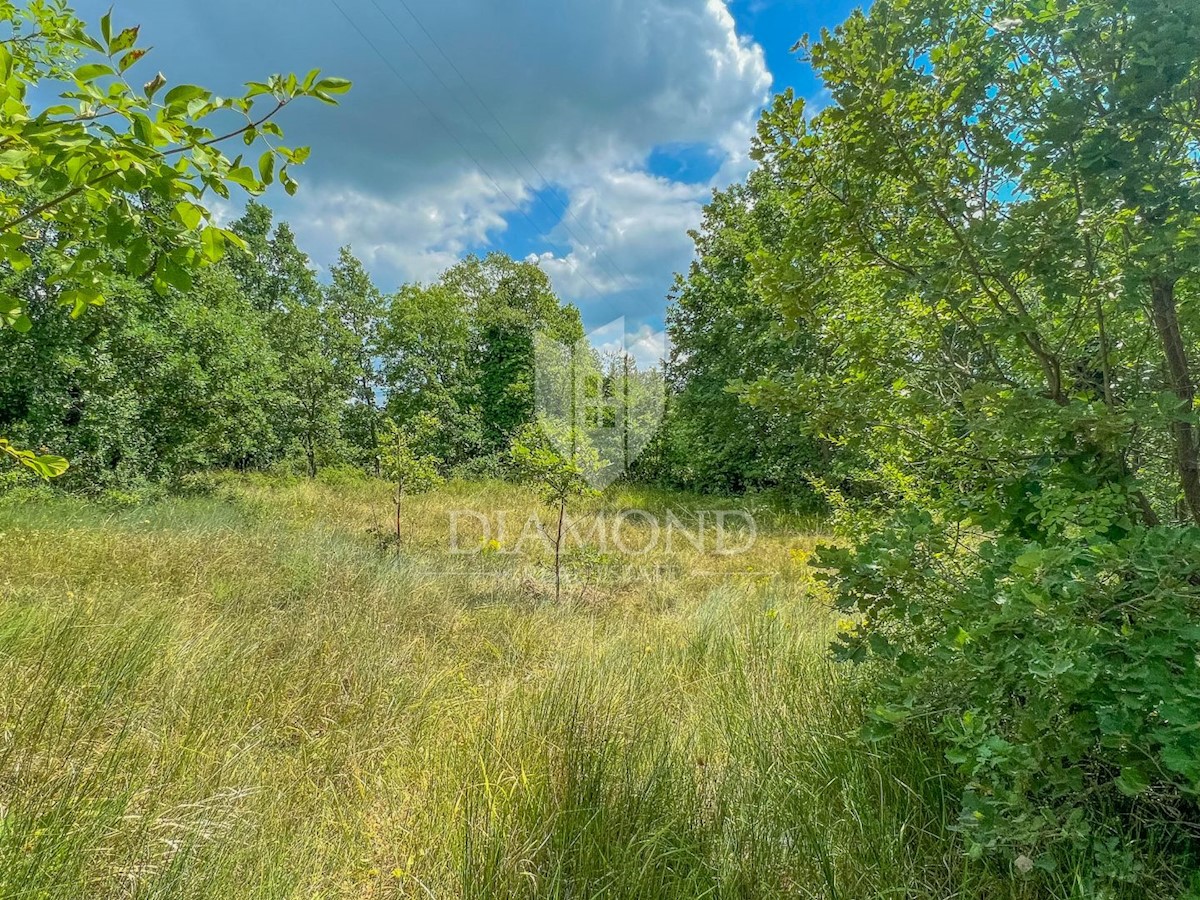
x=247, y=694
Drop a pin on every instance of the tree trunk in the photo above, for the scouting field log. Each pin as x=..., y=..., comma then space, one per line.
x=369, y=398
x=310, y=452
x=562, y=511
x=399, y=509
x=1187, y=452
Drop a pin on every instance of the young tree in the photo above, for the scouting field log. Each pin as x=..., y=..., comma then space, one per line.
x=403, y=463
x=317, y=388
x=559, y=476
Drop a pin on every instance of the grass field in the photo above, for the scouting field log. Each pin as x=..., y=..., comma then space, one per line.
x=249, y=695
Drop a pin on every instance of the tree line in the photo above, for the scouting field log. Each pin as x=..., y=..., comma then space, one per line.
x=259, y=364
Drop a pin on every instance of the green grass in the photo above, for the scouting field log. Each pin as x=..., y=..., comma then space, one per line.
x=248, y=696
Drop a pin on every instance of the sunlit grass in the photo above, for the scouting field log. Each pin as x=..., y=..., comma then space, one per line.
x=253, y=695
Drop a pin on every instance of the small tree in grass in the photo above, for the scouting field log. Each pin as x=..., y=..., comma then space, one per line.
x=559, y=478
x=402, y=463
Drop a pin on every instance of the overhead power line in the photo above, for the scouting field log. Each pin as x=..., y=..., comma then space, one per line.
x=566, y=205
x=460, y=144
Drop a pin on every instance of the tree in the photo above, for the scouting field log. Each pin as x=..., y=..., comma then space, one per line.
x=462, y=349
x=402, y=463
x=357, y=305
x=511, y=302
x=317, y=388
x=146, y=387
x=427, y=366
x=89, y=179
x=319, y=357
x=559, y=474
x=725, y=334
x=992, y=237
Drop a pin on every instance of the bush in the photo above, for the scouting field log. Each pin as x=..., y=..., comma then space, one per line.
x=1060, y=675
x=492, y=466
x=341, y=476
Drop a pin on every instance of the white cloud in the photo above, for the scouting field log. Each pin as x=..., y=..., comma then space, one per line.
x=417, y=235
x=435, y=145
x=647, y=345
x=627, y=232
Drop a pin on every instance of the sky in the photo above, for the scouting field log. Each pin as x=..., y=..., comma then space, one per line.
x=586, y=134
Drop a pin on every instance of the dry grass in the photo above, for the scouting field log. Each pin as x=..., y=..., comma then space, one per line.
x=248, y=695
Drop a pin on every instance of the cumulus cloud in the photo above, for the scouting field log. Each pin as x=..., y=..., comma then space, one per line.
x=462, y=110
x=647, y=345
x=627, y=232
x=418, y=234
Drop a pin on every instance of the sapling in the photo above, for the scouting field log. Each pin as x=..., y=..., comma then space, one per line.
x=559, y=478
x=402, y=463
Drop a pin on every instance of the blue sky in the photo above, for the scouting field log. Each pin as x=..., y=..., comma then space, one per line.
x=585, y=134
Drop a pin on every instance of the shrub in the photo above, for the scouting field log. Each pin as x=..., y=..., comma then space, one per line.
x=1060, y=675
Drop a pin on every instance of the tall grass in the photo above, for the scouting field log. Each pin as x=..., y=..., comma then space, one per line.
x=247, y=696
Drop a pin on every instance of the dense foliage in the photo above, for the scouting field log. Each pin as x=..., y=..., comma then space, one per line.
x=993, y=243
x=260, y=365
x=104, y=188
x=724, y=334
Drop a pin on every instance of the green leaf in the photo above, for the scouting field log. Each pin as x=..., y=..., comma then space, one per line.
x=92, y=71
x=333, y=85
x=1132, y=781
x=46, y=466
x=185, y=93
x=266, y=167
x=213, y=243
x=243, y=176
x=168, y=273
x=189, y=214
x=137, y=259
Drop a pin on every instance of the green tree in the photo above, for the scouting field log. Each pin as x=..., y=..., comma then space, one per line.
x=319, y=357
x=462, y=349
x=427, y=366
x=318, y=387
x=354, y=301
x=89, y=178
x=148, y=386
x=403, y=463
x=560, y=475
x=511, y=302
x=992, y=237
x=725, y=334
